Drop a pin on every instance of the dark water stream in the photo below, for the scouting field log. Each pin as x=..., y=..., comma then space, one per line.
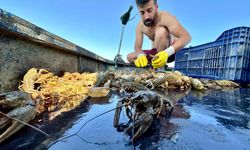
x=200, y=120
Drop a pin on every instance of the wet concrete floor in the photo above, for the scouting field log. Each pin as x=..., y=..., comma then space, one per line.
x=200, y=120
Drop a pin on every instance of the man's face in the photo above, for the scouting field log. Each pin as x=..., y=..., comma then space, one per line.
x=148, y=13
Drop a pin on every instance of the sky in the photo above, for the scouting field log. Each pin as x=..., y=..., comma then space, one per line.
x=96, y=26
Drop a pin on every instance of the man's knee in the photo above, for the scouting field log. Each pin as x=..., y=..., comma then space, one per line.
x=162, y=40
x=161, y=33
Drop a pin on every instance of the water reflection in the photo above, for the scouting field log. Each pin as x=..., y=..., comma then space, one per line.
x=231, y=106
x=195, y=117
x=174, y=95
x=100, y=100
x=200, y=120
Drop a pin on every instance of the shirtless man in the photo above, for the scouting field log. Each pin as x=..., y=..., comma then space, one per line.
x=166, y=33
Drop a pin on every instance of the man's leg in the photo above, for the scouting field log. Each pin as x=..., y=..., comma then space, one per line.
x=163, y=40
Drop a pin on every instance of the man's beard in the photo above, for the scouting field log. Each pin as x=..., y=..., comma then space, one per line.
x=149, y=22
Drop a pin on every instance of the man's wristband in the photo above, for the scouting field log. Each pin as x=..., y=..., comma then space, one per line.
x=139, y=55
x=170, y=51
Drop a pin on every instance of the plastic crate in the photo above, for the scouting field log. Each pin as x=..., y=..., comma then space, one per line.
x=228, y=57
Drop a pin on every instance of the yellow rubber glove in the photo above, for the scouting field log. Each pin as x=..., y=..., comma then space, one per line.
x=141, y=60
x=160, y=59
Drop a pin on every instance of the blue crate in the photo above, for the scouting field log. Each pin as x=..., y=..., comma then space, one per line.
x=228, y=57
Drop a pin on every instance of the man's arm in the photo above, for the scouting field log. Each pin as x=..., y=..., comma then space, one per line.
x=176, y=29
x=139, y=39
x=141, y=59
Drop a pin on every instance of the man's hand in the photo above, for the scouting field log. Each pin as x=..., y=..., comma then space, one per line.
x=141, y=60
x=161, y=58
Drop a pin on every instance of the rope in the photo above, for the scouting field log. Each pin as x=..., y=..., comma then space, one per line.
x=133, y=17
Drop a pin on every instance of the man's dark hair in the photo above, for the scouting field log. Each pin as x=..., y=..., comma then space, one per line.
x=143, y=2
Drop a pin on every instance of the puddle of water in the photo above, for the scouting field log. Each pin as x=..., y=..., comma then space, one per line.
x=200, y=120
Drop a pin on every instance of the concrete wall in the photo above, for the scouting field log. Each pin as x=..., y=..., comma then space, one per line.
x=24, y=45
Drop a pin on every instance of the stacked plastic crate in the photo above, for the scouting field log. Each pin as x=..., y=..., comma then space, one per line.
x=228, y=57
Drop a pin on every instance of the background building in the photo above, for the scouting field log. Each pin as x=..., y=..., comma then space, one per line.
x=228, y=57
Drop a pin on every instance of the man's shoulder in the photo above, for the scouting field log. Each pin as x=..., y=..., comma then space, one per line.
x=165, y=18
x=165, y=14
